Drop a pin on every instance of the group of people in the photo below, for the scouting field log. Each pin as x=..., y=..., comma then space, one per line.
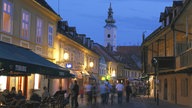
x=107, y=91
x=91, y=90
x=17, y=99
x=12, y=98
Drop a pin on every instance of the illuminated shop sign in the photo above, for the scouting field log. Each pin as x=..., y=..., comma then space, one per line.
x=20, y=68
x=68, y=65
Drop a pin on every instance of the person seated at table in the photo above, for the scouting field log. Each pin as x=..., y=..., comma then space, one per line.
x=34, y=100
x=58, y=97
x=18, y=100
x=3, y=97
x=45, y=95
x=12, y=94
x=59, y=93
x=35, y=97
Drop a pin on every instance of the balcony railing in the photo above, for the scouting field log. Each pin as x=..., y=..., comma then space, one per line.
x=164, y=63
x=185, y=59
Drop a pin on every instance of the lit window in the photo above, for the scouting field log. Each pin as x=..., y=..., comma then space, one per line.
x=39, y=31
x=50, y=35
x=37, y=81
x=25, y=25
x=7, y=16
x=3, y=82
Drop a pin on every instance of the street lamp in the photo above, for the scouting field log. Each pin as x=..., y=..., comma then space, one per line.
x=156, y=93
x=66, y=56
x=91, y=64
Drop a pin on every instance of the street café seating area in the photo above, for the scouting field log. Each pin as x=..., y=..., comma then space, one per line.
x=19, y=61
x=56, y=101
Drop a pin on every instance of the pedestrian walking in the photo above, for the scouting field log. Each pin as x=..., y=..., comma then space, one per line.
x=94, y=93
x=102, y=90
x=128, y=91
x=88, y=91
x=81, y=94
x=120, y=88
x=134, y=91
x=108, y=87
x=113, y=91
x=75, y=93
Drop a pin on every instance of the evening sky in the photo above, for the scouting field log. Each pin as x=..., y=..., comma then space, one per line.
x=133, y=17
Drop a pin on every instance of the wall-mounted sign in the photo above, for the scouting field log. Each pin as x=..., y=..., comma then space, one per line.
x=68, y=65
x=61, y=73
x=20, y=68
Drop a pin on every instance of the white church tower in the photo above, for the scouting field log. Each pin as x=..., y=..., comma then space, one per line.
x=110, y=31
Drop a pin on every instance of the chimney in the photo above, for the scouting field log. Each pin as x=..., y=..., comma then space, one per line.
x=88, y=42
x=91, y=44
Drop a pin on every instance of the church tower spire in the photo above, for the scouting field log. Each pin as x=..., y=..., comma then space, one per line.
x=110, y=30
x=110, y=19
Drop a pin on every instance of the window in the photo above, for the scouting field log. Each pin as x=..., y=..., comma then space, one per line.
x=39, y=31
x=184, y=87
x=37, y=81
x=25, y=25
x=3, y=82
x=50, y=35
x=108, y=35
x=7, y=17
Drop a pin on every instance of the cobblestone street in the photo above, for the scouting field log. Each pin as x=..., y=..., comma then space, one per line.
x=138, y=102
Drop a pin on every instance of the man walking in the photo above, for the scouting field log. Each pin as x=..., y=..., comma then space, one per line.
x=128, y=91
x=75, y=93
x=120, y=88
x=88, y=90
x=102, y=90
x=108, y=87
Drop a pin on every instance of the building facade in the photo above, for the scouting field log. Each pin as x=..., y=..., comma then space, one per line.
x=170, y=45
x=31, y=24
x=76, y=50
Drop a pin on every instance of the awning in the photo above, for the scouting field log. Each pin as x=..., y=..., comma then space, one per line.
x=14, y=59
x=85, y=73
x=76, y=73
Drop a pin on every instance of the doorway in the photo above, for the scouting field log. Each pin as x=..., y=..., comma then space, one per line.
x=165, y=90
x=175, y=91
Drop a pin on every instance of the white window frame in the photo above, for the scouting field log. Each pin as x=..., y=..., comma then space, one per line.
x=39, y=30
x=50, y=35
x=8, y=10
x=25, y=25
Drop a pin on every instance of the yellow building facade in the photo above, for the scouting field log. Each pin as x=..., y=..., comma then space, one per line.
x=32, y=25
x=74, y=51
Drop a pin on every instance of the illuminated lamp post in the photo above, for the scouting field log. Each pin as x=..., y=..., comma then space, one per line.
x=91, y=66
x=65, y=57
x=156, y=92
